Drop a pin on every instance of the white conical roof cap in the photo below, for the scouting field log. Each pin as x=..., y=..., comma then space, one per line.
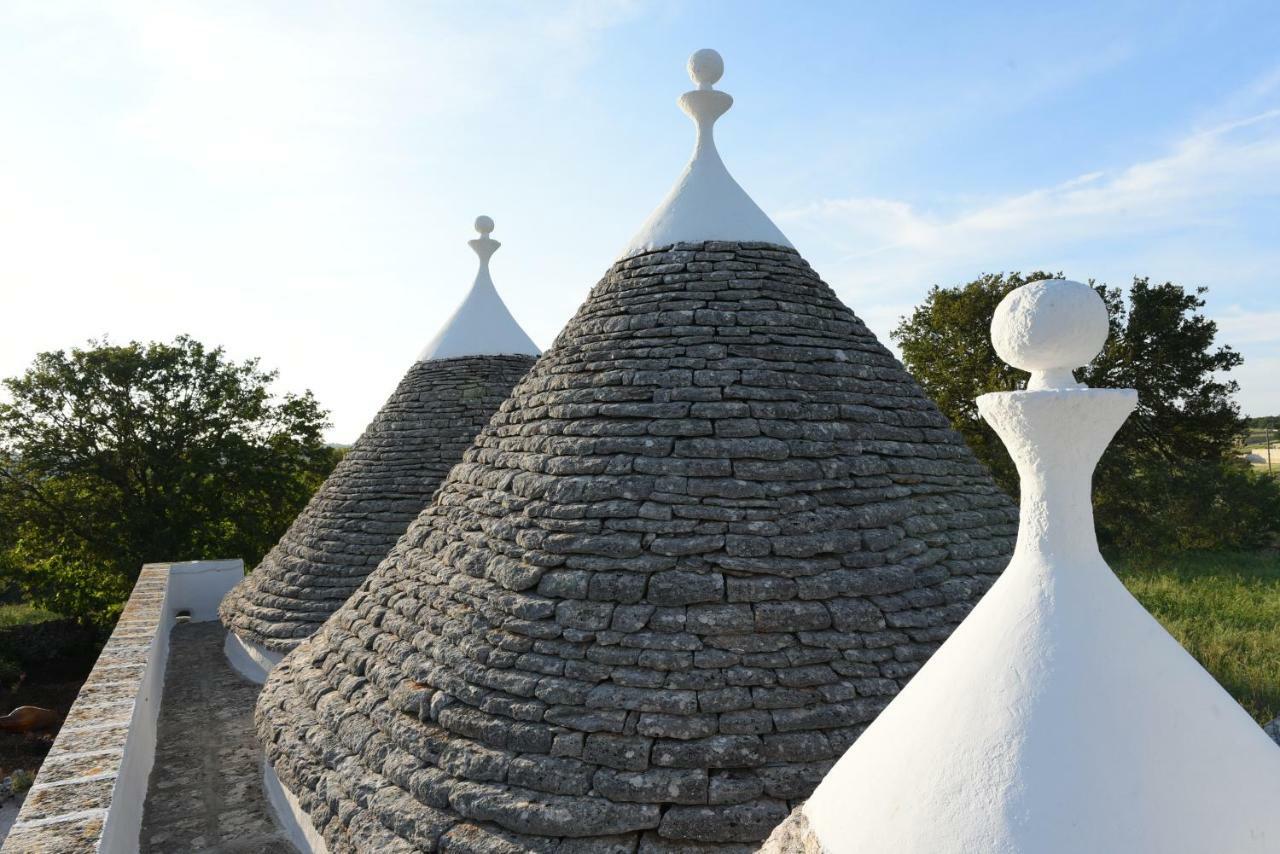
x=482, y=325
x=706, y=203
x=1060, y=716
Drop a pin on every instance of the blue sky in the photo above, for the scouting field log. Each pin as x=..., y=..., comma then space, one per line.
x=297, y=181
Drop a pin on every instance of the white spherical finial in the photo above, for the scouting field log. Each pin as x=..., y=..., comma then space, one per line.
x=484, y=225
x=1049, y=328
x=706, y=67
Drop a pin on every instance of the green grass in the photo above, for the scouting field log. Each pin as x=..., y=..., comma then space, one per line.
x=1224, y=609
x=24, y=615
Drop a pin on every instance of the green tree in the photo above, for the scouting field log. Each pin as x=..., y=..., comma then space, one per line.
x=1169, y=479
x=117, y=455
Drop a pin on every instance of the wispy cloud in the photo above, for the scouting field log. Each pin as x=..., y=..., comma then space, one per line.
x=889, y=241
x=1151, y=218
x=1240, y=326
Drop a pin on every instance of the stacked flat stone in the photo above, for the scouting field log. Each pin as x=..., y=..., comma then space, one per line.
x=364, y=506
x=709, y=536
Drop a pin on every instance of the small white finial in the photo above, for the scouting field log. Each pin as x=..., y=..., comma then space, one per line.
x=1049, y=328
x=484, y=245
x=706, y=67
x=706, y=203
x=482, y=325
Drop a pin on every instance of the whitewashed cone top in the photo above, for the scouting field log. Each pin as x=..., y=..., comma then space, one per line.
x=705, y=203
x=1060, y=716
x=482, y=325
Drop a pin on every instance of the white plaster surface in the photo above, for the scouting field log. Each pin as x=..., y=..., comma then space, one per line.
x=706, y=203
x=483, y=324
x=195, y=587
x=290, y=814
x=1060, y=716
x=198, y=586
x=124, y=814
x=252, y=661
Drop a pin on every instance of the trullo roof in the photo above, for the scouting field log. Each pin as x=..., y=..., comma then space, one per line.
x=384, y=481
x=1060, y=716
x=706, y=539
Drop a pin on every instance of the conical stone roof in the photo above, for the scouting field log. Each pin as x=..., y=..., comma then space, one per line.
x=1060, y=717
x=385, y=479
x=707, y=538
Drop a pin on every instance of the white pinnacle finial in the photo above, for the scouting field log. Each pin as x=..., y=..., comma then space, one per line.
x=706, y=67
x=1042, y=750
x=706, y=203
x=484, y=245
x=482, y=325
x=1049, y=328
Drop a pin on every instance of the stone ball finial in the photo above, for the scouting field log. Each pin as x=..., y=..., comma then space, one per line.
x=706, y=67
x=1049, y=328
x=484, y=225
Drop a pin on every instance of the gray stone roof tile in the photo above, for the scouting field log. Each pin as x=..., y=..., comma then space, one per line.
x=705, y=541
x=363, y=508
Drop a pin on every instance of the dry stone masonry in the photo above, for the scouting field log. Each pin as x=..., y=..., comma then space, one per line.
x=709, y=536
x=384, y=481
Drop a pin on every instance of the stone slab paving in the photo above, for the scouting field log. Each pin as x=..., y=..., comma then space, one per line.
x=206, y=785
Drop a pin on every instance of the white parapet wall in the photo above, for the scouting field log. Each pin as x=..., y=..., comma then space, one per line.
x=91, y=788
x=252, y=661
x=290, y=814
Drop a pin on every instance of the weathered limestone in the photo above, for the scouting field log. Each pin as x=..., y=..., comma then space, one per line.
x=360, y=511
x=708, y=537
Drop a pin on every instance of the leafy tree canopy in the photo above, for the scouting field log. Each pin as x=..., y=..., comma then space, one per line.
x=112, y=456
x=1169, y=479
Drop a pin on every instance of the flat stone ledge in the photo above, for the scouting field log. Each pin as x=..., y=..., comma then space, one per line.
x=89, y=792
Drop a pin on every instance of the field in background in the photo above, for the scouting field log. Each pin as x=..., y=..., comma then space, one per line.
x=1256, y=439
x=1225, y=609
x=1262, y=451
x=44, y=659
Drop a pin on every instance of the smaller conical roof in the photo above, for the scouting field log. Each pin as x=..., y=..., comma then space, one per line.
x=1060, y=716
x=706, y=203
x=483, y=324
x=384, y=481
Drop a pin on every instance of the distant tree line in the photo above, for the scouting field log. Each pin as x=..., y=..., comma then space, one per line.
x=112, y=456
x=1171, y=479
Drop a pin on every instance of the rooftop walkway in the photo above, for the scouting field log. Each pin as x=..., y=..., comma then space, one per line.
x=206, y=792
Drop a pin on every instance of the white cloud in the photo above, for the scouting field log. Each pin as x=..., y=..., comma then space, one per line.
x=1238, y=326
x=888, y=240
x=1260, y=392
x=1154, y=218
